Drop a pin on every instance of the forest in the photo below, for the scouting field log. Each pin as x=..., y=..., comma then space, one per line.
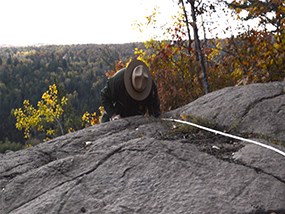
x=184, y=66
x=77, y=70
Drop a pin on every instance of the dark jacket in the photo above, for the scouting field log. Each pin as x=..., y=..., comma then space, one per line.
x=116, y=100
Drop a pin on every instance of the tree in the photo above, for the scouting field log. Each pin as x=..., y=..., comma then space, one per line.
x=39, y=67
x=259, y=52
x=200, y=55
x=270, y=13
x=42, y=119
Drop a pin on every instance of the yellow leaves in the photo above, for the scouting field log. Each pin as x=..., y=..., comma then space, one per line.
x=26, y=118
x=26, y=103
x=50, y=132
x=183, y=117
x=40, y=128
x=151, y=19
x=215, y=51
x=276, y=45
x=70, y=130
x=45, y=96
x=85, y=116
x=238, y=10
x=140, y=54
x=64, y=101
x=102, y=110
x=49, y=110
x=138, y=51
x=237, y=73
x=92, y=119
x=50, y=106
x=50, y=97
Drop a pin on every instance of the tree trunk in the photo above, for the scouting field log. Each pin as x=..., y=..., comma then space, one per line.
x=187, y=25
x=189, y=45
x=198, y=47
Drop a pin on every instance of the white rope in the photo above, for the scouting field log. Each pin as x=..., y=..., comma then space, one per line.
x=227, y=135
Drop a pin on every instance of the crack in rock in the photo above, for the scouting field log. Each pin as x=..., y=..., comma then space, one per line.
x=71, y=179
x=139, y=165
x=253, y=104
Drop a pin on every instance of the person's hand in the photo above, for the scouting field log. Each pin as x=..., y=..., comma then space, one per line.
x=115, y=117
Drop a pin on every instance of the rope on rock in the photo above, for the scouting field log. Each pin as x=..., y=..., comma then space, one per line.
x=227, y=135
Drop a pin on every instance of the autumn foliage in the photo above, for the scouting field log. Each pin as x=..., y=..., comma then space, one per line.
x=44, y=118
x=90, y=119
x=256, y=55
x=173, y=72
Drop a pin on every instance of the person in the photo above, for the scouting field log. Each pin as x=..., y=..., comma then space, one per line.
x=130, y=91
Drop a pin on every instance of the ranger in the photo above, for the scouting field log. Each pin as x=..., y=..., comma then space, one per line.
x=130, y=91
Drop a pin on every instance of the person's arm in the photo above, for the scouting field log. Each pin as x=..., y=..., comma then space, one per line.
x=107, y=99
x=154, y=108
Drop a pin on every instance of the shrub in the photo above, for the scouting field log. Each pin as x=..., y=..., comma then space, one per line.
x=9, y=146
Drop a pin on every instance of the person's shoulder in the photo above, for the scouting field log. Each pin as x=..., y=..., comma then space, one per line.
x=119, y=74
x=117, y=80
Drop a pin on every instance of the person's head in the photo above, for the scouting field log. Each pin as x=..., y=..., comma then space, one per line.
x=138, y=80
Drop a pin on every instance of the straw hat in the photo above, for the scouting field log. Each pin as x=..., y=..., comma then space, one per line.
x=137, y=80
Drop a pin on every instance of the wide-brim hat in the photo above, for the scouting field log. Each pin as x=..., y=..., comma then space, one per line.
x=137, y=79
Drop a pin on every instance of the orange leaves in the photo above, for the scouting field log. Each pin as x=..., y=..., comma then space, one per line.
x=248, y=58
x=172, y=72
x=269, y=14
x=118, y=66
x=256, y=56
x=92, y=119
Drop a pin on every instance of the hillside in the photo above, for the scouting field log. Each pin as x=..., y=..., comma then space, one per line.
x=78, y=70
x=146, y=165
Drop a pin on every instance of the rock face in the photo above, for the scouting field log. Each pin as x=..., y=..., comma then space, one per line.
x=144, y=165
x=255, y=109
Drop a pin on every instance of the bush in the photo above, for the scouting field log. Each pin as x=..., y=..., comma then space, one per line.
x=9, y=146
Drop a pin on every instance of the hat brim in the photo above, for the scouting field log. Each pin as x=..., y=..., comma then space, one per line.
x=128, y=81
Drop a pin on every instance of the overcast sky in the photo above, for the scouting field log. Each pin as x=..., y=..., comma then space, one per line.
x=33, y=22
x=29, y=22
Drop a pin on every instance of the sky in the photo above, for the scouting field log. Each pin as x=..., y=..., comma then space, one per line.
x=34, y=22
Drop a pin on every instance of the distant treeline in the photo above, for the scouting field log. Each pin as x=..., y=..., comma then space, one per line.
x=78, y=70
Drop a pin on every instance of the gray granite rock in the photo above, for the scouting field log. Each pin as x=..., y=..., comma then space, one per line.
x=252, y=109
x=145, y=165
